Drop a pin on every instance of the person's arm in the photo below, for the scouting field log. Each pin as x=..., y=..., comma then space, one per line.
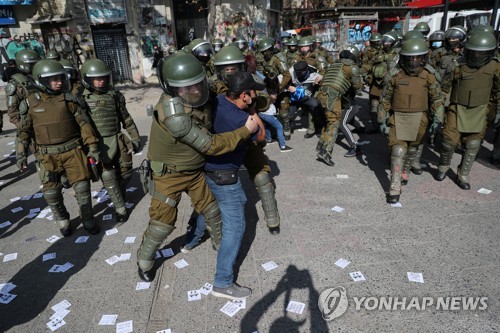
x=128, y=123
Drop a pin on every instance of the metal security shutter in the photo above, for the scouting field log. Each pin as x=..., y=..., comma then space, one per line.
x=112, y=48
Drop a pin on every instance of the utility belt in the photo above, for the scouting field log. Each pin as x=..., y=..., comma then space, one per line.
x=223, y=177
x=60, y=148
x=146, y=171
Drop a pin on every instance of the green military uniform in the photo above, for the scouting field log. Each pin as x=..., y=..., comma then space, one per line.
x=475, y=84
x=107, y=109
x=61, y=130
x=179, y=141
x=333, y=95
x=404, y=107
x=276, y=64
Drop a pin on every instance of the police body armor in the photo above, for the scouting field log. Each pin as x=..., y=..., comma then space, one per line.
x=164, y=148
x=103, y=110
x=336, y=79
x=291, y=58
x=473, y=88
x=410, y=93
x=445, y=70
x=53, y=123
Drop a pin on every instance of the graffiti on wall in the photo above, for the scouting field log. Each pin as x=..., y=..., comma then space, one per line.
x=10, y=46
x=237, y=24
x=360, y=32
x=328, y=32
x=148, y=43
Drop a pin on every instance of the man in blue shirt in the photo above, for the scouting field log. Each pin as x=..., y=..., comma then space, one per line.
x=222, y=178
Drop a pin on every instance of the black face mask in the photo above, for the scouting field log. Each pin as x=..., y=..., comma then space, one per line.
x=302, y=75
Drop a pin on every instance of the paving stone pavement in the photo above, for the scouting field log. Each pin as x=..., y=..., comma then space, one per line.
x=449, y=235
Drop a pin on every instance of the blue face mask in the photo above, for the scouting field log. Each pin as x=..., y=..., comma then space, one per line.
x=437, y=44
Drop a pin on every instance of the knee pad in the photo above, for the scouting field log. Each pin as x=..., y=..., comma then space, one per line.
x=473, y=144
x=52, y=195
x=212, y=211
x=398, y=151
x=108, y=176
x=261, y=179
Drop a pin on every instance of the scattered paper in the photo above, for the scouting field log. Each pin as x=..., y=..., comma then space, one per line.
x=415, y=277
x=108, y=319
x=138, y=154
x=82, y=239
x=241, y=303
x=55, y=269
x=50, y=218
x=342, y=263
x=337, y=209
x=125, y=327
x=34, y=210
x=49, y=256
x=113, y=260
x=361, y=143
x=230, y=309
x=131, y=189
x=61, y=305
x=270, y=265
x=37, y=195
x=206, y=289
x=167, y=252
x=6, y=298
x=357, y=276
x=484, y=191
x=5, y=288
x=342, y=176
x=168, y=330
x=397, y=205
x=142, y=285
x=181, y=264
x=107, y=217
x=26, y=197
x=295, y=307
x=129, y=205
x=125, y=256
x=111, y=231
x=129, y=240
x=10, y=257
x=17, y=209
x=194, y=295
x=55, y=323
x=53, y=239
x=11, y=143
x=61, y=313
x=5, y=224
x=31, y=215
x=65, y=267
x=43, y=213
x=15, y=199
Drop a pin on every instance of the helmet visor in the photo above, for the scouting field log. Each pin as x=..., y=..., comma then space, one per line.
x=55, y=83
x=203, y=53
x=224, y=71
x=102, y=83
x=241, y=45
x=194, y=95
x=413, y=64
x=475, y=58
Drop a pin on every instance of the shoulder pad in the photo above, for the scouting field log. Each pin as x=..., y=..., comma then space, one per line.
x=346, y=61
x=429, y=68
x=172, y=106
x=10, y=89
x=20, y=78
x=355, y=70
x=378, y=58
x=321, y=59
x=72, y=98
x=280, y=56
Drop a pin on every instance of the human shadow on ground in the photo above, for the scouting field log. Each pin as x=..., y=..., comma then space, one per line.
x=293, y=279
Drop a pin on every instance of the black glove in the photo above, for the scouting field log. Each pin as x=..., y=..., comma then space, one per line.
x=94, y=153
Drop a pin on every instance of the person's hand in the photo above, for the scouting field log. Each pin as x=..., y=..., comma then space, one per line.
x=136, y=144
x=292, y=89
x=251, y=124
x=22, y=163
x=94, y=153
x=273, y=98
x=317, y=80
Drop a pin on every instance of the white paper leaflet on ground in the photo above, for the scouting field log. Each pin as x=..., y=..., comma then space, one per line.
x=111, y=231
x=357, y=276
x=242, y=303
x=415, y=277
x=55, y=323
x=10, y=257
x=167, y=253
x=342, y=176
x=168, y=330
x=194, y=295
x=295, y=307
x=129, y=240
x=131, y=189
x=108, y=319
x=337, y=209
x=60, y=268
x=230, y=309
x=125, y=256
x=61, y=313
x=61, y=305
x=17, y=209
x=113, y=260
x=484, y=191
x=6, y=298
x=397, y=205
x=125, y=327
x=5, y=288
x=107, y=217
x=270, y=265
x=142, y=285
x=181, y=264
x=342, y=263
x=49, y=256
x=53, y=239
x=5, y=224
x=82, y=239
x=206, y=289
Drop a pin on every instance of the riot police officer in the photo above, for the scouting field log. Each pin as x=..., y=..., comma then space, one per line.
x=178, y=145
x=405, y=102
x=62, y=131
x=333, y=95
x=242, y=44
x=217, y=44
x=437, y=49
x=73, y=76
x=474, y=83
x=291, y=52
x=274, y=64
x=21, y=84
x=53, y=55
x=423, y=28
x=203, y=51
x=107, y=109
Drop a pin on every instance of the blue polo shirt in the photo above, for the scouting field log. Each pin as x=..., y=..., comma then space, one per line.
x=227, y=117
